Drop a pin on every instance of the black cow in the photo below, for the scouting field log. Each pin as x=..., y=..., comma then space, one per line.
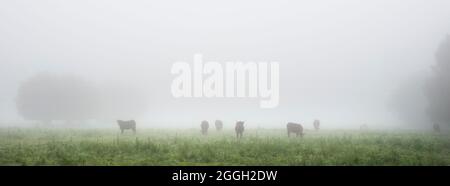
x=239, y=128
x=219, y=125
x=294, y=128
x=204, y=126
x=131, y=124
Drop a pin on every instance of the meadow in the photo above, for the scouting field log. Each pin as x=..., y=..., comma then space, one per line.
x=44, y=146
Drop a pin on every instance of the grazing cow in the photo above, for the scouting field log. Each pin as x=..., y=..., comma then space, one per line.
x=219, y=125
x=239, y=129
x=436, y=127
x=294, y=128
x=204, y=126
x=363, y=127
x=131, y=124
x=316, y=124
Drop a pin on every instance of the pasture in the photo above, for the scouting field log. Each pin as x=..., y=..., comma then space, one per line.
x=39, y=146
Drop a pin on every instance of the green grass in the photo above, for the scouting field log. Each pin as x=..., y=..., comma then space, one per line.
x=20, y=146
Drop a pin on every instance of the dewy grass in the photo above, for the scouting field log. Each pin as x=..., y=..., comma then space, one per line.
x=189, y=147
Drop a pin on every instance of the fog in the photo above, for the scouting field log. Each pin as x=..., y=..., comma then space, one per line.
x=340, y=61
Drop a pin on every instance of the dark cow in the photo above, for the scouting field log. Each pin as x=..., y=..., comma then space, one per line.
x=204, y=126
x=131, y=124
x=294, y=128
x=239, y=128
x=316, y=124
x=436, y=127
x=219, y=125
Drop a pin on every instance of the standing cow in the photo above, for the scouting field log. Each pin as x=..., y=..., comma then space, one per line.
x=124, y=125
x=219, y=125
x=436, y=127
x=239, y=128
x=316, y=124
x=294, y=128
x=204, y=126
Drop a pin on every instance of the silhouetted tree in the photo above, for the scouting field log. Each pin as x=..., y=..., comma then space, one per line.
x=438, y=86
x=47, y=97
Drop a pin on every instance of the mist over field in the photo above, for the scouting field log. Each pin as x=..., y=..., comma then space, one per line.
x=346, y=62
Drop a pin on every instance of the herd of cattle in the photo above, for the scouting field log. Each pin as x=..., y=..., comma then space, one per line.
x=295, y=128
x=239, y=128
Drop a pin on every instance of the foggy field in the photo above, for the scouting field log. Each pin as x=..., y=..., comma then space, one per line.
x=372, y=76
x=21, y=146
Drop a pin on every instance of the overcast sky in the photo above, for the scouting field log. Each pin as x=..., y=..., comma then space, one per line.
x=340, y=60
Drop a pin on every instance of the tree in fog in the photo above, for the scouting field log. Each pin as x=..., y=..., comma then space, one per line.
x=46, y=97
x=438, y=86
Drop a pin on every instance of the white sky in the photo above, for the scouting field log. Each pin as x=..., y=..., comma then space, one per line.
x=340, y=60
